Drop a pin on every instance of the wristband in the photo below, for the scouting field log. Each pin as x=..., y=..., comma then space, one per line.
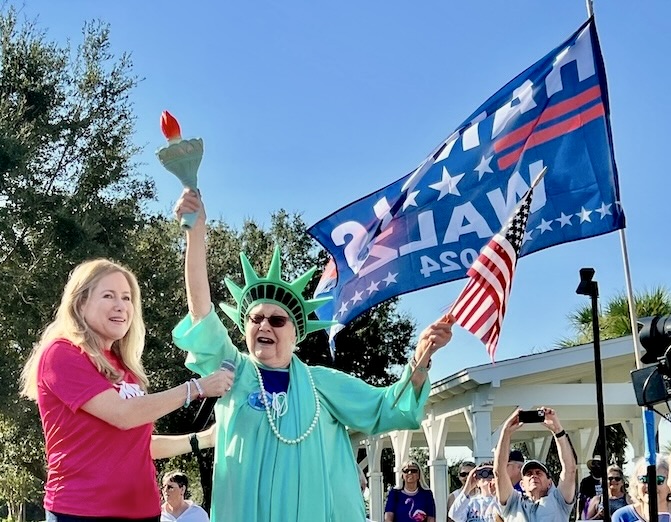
x=201, y=393
x=188, y=394
x=193, y=440
x=560, y=434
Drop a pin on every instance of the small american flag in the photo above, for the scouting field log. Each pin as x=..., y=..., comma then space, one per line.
x=482, y=303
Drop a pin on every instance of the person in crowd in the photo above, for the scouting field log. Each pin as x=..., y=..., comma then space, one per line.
x=590, y=486
x=283, y=451
x=363, y=484
x=639, y=490
x=617, y=495
x=176, y=506
x=541, y=499
x=413, y=501
x=514, y=468
x=87, y=378
x=477, y=500
x=464, y=469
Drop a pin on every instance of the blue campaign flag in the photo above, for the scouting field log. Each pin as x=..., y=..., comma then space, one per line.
x=429, y=226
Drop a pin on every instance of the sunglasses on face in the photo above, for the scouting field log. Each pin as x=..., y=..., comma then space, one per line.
x=614, y=479
x=643, y=479
x=463, y=473
x=276, y=321
x=408, y=471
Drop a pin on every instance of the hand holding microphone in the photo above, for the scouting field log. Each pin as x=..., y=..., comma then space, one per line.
x=223, y=380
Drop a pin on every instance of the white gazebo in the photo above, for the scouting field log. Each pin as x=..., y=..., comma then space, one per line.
x=469, y=407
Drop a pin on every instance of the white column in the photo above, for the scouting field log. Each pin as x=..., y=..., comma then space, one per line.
x=400, y=441
x=435, y=431
x=374, y=445
x=479, y=420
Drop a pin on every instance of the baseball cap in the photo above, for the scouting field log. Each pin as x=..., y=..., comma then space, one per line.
x=516, y=456
x=534, y=464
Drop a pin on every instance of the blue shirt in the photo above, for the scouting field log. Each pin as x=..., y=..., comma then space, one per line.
x=410, y=508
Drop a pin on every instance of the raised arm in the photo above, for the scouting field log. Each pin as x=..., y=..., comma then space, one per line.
x=432, y=338
x=567, y=476
x=195, y=263
x=504, y=486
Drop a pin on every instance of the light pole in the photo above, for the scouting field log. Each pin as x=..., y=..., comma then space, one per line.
x=590, y=288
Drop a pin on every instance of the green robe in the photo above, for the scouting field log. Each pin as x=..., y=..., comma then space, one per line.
x=257, y=478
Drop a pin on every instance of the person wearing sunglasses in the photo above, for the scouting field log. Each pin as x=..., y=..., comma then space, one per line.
x=639, y=489
x=617, y=495
x=283, y=451
x=477, y=500
x=464, y=469
x=176, y=504
x=413, y=500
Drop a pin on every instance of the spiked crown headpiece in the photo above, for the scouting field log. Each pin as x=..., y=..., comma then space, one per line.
x=272, y=289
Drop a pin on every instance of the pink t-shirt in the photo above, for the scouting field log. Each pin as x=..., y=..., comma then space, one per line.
x=94, y=469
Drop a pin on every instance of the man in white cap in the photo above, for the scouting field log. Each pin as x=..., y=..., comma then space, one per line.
x=541, y=499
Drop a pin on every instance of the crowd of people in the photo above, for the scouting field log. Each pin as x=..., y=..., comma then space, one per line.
x=282, y=450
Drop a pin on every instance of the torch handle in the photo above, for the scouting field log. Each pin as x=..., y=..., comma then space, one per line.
x=188, y=220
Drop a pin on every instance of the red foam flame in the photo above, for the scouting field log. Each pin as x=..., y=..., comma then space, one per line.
x=170, y=127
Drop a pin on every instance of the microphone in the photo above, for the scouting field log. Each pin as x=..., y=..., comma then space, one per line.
x=207, y=406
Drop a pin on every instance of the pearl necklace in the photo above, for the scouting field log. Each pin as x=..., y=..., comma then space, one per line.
x=277, y=433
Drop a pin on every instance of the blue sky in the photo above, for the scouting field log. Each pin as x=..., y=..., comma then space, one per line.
x=308, y=106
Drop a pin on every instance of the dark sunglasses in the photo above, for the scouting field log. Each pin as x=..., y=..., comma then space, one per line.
x=643, y=479
x=614, y=479
x=407, y=471
x=276, y=321
x=464, y=473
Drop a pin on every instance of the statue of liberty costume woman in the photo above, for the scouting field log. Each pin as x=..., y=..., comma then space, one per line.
x=282, y=450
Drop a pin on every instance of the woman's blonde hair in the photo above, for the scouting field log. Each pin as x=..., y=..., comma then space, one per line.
x=422, y=481
x=640, y=468
x=69, y=324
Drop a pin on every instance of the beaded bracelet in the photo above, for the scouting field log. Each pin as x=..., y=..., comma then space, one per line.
x=201, y=393
x=188, y=394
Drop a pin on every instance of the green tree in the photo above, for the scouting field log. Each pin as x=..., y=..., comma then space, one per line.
x=614, y=317
x=68, y=191
x=614, y=322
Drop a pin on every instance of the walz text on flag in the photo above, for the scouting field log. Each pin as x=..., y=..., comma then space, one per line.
x=481, y=305
x=429, y=226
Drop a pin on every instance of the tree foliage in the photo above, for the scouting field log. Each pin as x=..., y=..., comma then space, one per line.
x=70, y=191
x=614, y=317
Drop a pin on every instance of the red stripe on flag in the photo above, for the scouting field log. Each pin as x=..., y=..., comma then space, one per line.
x=548, y=114
x=550, y=133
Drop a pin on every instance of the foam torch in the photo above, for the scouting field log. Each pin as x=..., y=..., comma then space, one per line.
x=181, y=157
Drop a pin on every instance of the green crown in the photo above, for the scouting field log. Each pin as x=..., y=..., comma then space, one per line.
x=272, y=289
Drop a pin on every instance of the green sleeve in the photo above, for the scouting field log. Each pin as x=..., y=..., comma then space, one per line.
x=368, y=408
x=206, y=342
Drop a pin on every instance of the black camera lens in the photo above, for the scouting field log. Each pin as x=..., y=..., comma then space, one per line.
x=485, y=473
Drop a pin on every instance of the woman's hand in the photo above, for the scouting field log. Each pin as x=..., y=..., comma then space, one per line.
x=217, y=384
x=471, y=482
x=433, y=338
x=190, y=203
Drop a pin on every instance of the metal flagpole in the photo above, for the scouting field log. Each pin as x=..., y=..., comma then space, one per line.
x=647, y=412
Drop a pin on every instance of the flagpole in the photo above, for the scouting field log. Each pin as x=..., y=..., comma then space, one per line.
x=423, y=362
x=647, y=413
